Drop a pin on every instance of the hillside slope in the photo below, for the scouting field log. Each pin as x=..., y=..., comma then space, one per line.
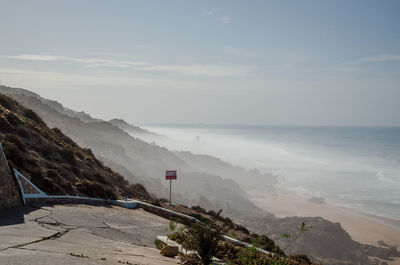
x=145, y=163
x=139, y=161
x=54, y=162
x=321, y=240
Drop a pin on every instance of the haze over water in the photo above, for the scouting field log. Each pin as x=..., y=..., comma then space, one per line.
x=358, y=167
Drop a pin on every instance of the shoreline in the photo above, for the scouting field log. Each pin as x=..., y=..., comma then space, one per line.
x=362, y=227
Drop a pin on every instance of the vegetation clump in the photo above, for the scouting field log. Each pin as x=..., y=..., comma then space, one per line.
x=13, y=154
x=54, y=162
x=33, y=116
x=95, y=189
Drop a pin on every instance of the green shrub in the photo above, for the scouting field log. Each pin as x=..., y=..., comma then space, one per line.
x=204, y=238
x=159, y=244
x=248, y=256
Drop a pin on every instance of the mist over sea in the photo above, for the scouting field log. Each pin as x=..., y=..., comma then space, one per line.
x=356, y=167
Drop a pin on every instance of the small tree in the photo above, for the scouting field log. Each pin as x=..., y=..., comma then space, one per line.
x=204, y=238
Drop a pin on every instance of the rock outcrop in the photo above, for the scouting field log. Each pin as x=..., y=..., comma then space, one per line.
x=169, y=251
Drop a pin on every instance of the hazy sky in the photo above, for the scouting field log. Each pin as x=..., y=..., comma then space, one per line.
x=231, y=62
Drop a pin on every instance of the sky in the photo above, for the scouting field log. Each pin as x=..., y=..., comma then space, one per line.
x=321, y=63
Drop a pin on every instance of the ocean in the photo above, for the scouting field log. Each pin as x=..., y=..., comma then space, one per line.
x=355, y=167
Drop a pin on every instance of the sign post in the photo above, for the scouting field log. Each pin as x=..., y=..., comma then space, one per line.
x=170, y=175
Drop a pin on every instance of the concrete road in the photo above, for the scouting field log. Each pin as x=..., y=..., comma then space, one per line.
x=80, y=234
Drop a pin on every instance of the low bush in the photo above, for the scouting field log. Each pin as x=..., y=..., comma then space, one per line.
x=100, y=178
x=204, y=238
x=44, y=183
x=13, y=154
x=12, y=138
x=12, y=118
x=4, y=124
x=95, y=189
x=7, y=102
x=23, y=133
x=68, y=155
x=33, y=116
x=159, y=244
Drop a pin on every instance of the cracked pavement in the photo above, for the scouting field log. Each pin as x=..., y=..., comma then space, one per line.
x=80, y=234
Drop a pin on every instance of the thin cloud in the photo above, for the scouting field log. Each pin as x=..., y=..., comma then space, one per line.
x=378, y=58
x=36, y=57
x=210, y=12
x=345, y=68
x=226, y=20
x=212, y=70
x=220, y=70
x=238, y=52
x=78, y=81
x=90, y=62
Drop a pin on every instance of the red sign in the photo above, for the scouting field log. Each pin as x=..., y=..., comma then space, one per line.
x=170, y=174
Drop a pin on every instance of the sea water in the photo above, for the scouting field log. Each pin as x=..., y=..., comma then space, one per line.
x=358, y=167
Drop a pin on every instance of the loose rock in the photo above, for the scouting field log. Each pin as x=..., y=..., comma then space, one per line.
x=169, y=251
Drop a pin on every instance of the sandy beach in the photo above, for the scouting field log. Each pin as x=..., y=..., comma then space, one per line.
x=362, y=227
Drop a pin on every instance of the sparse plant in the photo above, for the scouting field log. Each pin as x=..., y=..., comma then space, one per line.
x=68, y=155
x=33, y=116
x=170, y=228
x=248, y=256
x=303, y=228
x=159, y=244
x=95, y=189
x=204, y=238
x=13, y=154
x=234, y=235
x=79, y=255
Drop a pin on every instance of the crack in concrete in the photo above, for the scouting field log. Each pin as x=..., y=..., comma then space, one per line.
x=52, y=237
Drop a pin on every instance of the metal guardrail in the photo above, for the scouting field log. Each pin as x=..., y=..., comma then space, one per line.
x=40, y=193
x=130, y=204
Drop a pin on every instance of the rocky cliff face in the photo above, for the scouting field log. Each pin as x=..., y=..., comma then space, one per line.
x=9, y=194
